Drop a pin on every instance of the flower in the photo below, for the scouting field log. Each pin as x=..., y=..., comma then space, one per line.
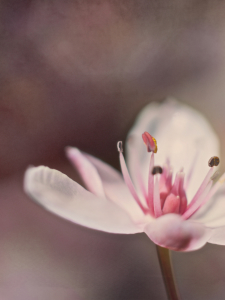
x=181, y=213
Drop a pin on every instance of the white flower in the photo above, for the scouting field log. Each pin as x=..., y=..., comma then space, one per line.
x=180, y=213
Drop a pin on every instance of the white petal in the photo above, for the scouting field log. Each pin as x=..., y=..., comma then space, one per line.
x=61, y=195
x=180, y=132
x=212, y=214
x=116, y=190
x=218, y=236
x=171, y=232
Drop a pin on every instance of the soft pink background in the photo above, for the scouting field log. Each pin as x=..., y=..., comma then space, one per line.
x=77, y=73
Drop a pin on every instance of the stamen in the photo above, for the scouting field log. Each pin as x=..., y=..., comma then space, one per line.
x=214, y=189
x=127, y=178
x=120, y=146
x=214, y=161
x=157, y=202
x=151, y=187
x=157, y=170
x=165, y=183
x=203, y=198
x=183, y=197
x=216, y=175
x=169, y=180
x=150, y=142
x=193, y=206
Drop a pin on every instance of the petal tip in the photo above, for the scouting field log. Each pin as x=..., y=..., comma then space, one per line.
x=71, y=152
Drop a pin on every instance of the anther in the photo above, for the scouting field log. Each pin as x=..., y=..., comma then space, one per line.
x=157, y=170
x=214, y=161
x=150, y=142
x=120, y=147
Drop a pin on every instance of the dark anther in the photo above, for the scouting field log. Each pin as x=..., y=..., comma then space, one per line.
x=157, y=170
x=214, y=161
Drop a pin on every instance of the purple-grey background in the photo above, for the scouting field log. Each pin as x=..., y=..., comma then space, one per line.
x=77, y=73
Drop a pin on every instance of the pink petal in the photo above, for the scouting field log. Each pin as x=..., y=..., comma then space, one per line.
x=64, y=197
x=87, y=171
x=180, y=132
x=116, y=189
x=172, y=204
x=171, y=232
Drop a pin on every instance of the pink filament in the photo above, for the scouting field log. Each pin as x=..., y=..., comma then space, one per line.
x=213, y=190
x=157, y=202
x=151, y=186
x=195, y=201
x=183, y=198
x=129, y=183
x=198, y=203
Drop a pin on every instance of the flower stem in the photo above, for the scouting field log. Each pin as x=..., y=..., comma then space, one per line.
x=167, y=273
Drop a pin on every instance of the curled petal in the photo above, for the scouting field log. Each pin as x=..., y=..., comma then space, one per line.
x=180, y=132
x=61, y=195
x=87, y=171
x=171, y=232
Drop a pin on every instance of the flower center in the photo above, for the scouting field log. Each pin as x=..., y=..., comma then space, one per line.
x=164, y=195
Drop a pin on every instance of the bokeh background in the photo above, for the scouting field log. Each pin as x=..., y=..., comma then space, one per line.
x=77, y=73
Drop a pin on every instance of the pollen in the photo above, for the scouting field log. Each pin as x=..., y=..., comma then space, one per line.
x=214, y=161
x=150, y=142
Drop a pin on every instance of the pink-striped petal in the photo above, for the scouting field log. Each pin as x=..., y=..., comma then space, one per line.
x=171, y=232
x=87, y=171
x=115, y=188
x=62, y=196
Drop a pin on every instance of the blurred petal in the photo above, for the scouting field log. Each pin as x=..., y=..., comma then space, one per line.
x=180, y=132
x=218, y=236
x=87, y=171
x=116, y=190
x=61, y=195
x=171, y=232
x=212, y=214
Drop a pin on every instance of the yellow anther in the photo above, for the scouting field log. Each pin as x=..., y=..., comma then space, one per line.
x=150, y=142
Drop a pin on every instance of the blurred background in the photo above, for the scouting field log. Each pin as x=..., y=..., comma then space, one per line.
x=77, y=73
